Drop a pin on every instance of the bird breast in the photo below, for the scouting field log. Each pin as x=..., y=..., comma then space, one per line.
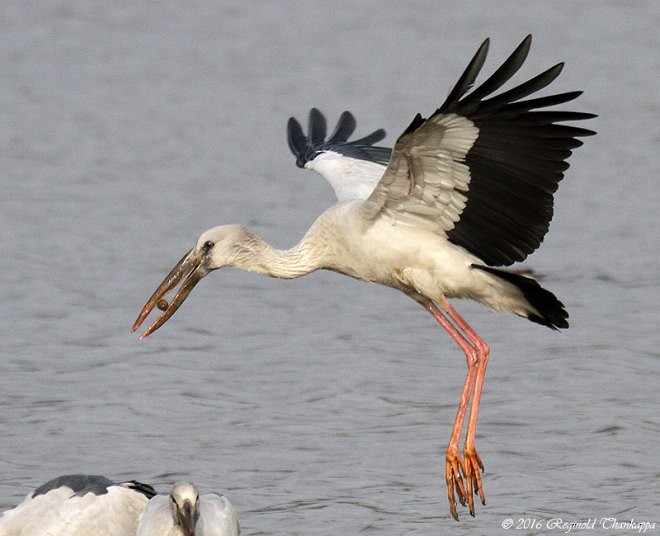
x=392, y=253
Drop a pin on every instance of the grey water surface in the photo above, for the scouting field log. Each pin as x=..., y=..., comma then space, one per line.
x=322, y=405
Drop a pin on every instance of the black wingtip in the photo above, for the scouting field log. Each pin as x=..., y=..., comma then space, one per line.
x=503, y=74
x=145, y=489
x=345, y=127
x=317, y=127
x=306, y=147
x=467, y=79
x=297, y=140
x=517, y=160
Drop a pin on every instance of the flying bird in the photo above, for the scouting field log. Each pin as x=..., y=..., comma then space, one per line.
x=186, y=513
x=79, y=505
x=462, y=194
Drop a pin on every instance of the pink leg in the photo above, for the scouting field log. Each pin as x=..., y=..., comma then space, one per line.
x=476, y=353
x=454, y=465
x=473, y=464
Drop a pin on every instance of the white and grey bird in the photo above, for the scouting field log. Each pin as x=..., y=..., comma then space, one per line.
x=79, y=505
x=185, y=513
x=463, y=193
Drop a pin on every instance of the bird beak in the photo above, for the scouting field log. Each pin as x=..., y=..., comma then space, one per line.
x=191, y=270
x=187, y=519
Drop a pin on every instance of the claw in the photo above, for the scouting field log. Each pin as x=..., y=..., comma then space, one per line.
x=463, y=476
x=454, y=467
x=469, y=482
x=474, y=467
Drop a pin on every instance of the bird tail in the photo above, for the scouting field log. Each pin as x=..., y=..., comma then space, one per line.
x=550, y=310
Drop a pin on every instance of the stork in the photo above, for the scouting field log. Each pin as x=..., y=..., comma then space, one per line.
x=185, y=513
x=83, y=505
x=463, y=193
x=79, y=505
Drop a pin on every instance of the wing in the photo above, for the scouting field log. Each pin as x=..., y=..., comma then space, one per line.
x=217, y=516
x=482, y=170
x=145, y=489
x=114, y=513
x=33, y=516
x=77, y=483
x=156, y=518
x=353, y=168
x=79, y=504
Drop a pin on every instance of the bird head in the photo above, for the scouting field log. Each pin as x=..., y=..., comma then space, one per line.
x=220, y=246
x=184, y=505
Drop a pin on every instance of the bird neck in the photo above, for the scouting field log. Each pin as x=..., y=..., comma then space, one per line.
x=257, y=255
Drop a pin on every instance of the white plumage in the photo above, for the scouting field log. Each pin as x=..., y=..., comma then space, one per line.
x=78, y=505
x=93, y=505
x=350, y=178
x=461, y=194
x=185, y=513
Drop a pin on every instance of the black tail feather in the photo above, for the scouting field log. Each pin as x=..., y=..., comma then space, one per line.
x=551, y=311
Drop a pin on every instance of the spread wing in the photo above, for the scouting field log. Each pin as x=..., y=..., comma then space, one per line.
x=353, y=168
x=482, y=170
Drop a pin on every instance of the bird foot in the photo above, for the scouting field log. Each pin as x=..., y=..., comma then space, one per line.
x=472, y=469
x=463, y=477
x=455, y=488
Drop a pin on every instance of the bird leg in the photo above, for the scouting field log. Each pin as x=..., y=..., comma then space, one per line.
x=473, y=463
x=476, y=354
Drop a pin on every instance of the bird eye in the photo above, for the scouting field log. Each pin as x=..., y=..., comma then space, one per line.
x=207, y=246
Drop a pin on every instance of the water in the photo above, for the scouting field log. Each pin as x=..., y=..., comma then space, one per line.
x=320, y=406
